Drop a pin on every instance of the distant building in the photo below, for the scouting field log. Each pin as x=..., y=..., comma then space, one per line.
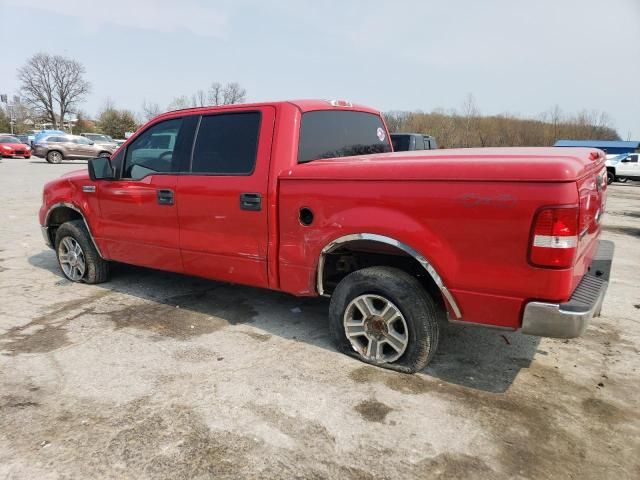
x=610, y=147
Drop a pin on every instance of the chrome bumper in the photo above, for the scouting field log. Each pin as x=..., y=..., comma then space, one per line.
x=571, y=319
x=45, y=236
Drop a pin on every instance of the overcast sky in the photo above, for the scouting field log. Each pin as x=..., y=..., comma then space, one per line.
x=521, y=57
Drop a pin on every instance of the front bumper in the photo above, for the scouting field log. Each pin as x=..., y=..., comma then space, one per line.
x=571, y=319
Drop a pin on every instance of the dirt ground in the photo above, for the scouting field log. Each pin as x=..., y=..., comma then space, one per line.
x=156, y=375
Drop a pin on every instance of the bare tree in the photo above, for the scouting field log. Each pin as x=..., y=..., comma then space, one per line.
x=233, y=93
x=215, y=94
x=37, y=85
x=150, y=110
x=70, y=86
x=53, y=85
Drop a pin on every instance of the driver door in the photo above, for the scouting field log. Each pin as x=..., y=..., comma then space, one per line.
x=138, y=214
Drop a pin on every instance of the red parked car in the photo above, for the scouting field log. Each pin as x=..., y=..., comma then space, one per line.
x=307, y=197
x=11, y=146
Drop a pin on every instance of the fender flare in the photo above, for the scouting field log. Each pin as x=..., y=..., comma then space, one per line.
x=374, y=237
x=71, y=206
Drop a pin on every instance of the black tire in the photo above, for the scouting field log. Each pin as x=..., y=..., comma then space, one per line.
x=421, y=314
x=104, y=154
x=54, y=156
x=622, y=179
x=96, y=269
x=610, y=177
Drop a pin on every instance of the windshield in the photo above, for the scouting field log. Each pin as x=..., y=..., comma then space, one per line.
x=9, y=140
x=341, y=133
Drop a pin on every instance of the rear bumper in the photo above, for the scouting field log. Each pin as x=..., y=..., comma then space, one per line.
x=571, y=319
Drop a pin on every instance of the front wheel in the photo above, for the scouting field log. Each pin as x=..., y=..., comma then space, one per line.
x=384, y=316
x=54, y=157
x=610, y=177
x=77, y=256
x=104, y=154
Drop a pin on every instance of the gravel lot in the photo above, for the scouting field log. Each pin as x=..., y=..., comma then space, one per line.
x=156, y=375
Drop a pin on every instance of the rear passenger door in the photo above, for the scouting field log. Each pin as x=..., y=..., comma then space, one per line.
x=222, y=200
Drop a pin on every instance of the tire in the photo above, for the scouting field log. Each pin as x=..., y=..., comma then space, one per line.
x=622, y=179
x=610, y=177
x=72, y=234
x=104, y=154
x=418, y=316
x=54, y=156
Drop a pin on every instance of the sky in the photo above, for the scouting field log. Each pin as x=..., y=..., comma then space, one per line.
x=517, y=56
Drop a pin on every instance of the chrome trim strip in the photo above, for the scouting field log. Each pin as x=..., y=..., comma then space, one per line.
x=72, y=207
x=89, y=188
x=393, y=242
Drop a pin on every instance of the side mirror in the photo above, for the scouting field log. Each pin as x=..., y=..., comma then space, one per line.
x=100, y=168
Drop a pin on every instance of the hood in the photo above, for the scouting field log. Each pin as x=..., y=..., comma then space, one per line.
x=535, y=164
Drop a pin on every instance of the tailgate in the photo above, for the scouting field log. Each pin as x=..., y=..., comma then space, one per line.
x=592, y=192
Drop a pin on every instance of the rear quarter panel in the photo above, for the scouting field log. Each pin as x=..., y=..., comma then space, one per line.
x=475, y=234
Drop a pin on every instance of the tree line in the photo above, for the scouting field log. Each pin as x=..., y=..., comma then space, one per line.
x=469, y=128
x=52, y=87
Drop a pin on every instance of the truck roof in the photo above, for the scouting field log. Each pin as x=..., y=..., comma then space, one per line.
x=304, y=105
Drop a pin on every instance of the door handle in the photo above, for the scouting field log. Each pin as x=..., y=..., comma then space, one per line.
x=165, y=197
x=251, y=201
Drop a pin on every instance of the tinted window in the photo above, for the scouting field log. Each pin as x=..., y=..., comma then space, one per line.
x=9, y=140
x=340, y=133
x=81, y=140
x=152, y=151
x=227, y=144
x=400, y=142
x=419, y=142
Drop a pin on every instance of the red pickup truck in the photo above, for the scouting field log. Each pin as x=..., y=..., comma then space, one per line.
x=307, y=197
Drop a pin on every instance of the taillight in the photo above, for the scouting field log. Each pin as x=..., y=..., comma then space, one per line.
x=555, y=237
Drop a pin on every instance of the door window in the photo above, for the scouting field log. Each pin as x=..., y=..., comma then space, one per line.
x=226, y=144
x=153, y=151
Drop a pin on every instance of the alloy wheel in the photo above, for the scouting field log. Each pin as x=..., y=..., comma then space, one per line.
x=376, y=328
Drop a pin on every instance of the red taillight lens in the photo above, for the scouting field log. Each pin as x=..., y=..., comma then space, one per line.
x=555, y=237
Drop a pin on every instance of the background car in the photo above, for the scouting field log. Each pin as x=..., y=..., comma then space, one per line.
x=412, y=141
x=100, y=139
x=56, y=148
x=10, y=146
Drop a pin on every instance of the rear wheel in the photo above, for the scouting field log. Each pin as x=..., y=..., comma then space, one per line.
x=54, y=157
x=384, y=316
x=77, y=256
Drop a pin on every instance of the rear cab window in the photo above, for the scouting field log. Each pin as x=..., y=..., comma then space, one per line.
x=341, y=133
